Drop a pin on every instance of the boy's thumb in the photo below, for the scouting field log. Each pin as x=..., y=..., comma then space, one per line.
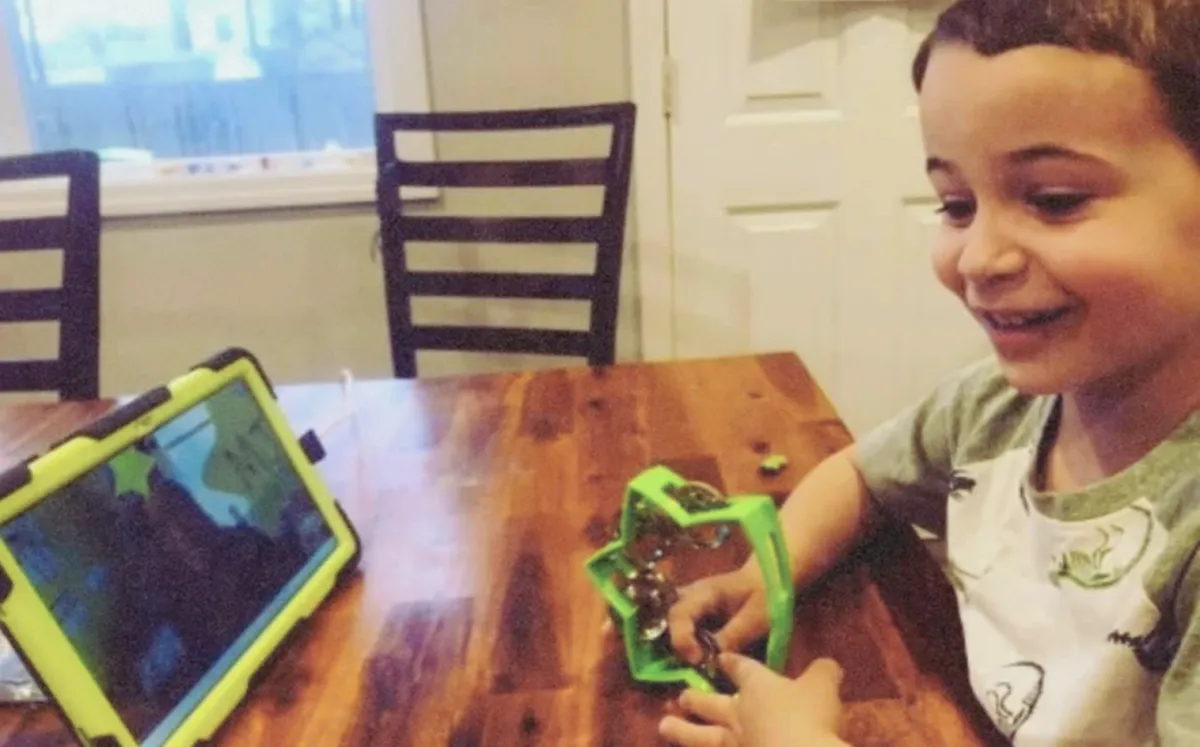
x=824, y=671
x=739, y=668
x=741, y=629
x=820, y=688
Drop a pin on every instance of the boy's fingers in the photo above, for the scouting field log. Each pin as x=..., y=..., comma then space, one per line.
x=740, y=630
x=825, y=672
x=686, y=734
x=711, y=707
x=820, y=687
x=740, y=668
x=694, y=602
x=821, y=681
x=700, y=600
x=683, y=638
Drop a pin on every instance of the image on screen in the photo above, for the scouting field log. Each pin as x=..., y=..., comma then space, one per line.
x=163, y=564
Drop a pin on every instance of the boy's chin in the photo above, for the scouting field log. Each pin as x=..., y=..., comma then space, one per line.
x=1034, y=377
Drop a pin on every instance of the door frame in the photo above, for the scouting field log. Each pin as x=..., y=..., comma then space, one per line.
x=653, y=231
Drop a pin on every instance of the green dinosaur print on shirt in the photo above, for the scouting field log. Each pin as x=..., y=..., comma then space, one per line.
x=1114, y=551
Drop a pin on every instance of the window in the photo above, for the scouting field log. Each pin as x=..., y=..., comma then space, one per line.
x=211, y=104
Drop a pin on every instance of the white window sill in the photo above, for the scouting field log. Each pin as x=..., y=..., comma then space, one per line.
x=220, y=194
x=124, y=196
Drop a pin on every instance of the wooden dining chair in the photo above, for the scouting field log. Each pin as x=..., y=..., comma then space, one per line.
x=75, y=305
x=607, y=231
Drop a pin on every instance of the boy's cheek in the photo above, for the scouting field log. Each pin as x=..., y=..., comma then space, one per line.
x=944, y=260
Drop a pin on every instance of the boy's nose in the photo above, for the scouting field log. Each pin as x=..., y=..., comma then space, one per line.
x=989, y=254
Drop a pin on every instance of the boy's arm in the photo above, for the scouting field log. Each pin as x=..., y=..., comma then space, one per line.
x=826, y=515
x=902, y=466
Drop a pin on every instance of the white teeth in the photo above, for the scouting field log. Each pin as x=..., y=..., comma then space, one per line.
x=1011, y=320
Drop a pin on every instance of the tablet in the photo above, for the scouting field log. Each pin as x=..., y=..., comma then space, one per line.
x=155, y=560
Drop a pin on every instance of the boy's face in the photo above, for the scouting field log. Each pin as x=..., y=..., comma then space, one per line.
x=1071, y=213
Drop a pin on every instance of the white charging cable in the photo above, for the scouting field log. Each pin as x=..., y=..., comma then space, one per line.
x=347, y=409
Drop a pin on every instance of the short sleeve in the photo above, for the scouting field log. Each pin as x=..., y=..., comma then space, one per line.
x=907, y=463
x=1177, y=719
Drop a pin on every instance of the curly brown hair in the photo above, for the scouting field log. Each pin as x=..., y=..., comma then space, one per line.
x=1161, y=37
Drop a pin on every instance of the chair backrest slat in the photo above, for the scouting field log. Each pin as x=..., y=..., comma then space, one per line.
x=42, y=305
x=547, y=173
x=501, y=230
x=502, y=340
x=513, y=119
x=606, y=231
x=30, y=234
x=76, y=305
x=502, y=285
x=30, y=376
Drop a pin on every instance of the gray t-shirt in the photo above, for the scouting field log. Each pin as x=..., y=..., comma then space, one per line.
x=1078, y=609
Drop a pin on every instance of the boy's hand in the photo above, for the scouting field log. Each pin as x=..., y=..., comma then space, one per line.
x=768, y=711
x=737, y=598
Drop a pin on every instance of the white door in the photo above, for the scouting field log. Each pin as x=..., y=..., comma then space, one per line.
x=802, y=217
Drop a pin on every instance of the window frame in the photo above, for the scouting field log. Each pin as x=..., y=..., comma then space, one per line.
x=401, y=81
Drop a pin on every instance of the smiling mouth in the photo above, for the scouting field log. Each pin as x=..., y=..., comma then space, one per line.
x=1006, y=322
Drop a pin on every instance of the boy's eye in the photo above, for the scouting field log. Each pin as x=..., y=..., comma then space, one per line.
x=958, y=211
x=1059, y=204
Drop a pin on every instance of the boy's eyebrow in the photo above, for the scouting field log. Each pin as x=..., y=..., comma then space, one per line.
x=1048, y=150
x=1021, y=157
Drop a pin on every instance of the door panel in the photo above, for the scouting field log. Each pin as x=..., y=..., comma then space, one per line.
x=802, y=216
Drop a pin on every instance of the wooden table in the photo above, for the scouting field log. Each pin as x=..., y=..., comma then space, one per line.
x=478, y=500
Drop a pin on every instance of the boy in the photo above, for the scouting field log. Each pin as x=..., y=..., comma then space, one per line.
x=1063, y=138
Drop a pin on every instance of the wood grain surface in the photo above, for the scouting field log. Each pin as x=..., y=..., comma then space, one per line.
x=478, y=500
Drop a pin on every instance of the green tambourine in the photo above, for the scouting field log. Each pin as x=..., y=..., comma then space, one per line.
x=659, y=504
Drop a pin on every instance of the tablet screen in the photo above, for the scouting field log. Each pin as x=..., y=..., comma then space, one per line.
x=164, y=564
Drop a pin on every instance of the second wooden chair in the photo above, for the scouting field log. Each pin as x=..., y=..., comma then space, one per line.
x=606, y=231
